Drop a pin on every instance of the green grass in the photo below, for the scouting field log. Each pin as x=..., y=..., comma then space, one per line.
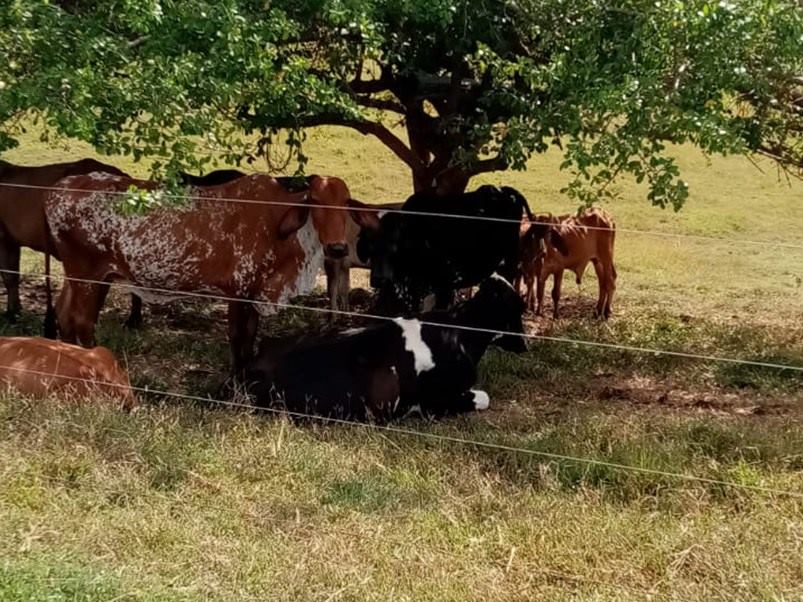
x=179, y=501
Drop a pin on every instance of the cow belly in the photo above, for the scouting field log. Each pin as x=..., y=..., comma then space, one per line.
x=150, y=295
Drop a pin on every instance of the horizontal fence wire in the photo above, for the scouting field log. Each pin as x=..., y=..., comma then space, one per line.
x=379, y=209
x=417, y=434
x=174, y=294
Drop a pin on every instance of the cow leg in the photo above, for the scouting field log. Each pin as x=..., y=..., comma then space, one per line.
x=344, y=281
x=77, y=311
x=134, y=320
x=606, y=276
x=557, y=284
x=529, y=291
x=602, y=281
x=449, y=404
x=338, y=284
x=332, y=286
x=611, y=274
x=10, y=264
x=541, y=287
x=243, y=324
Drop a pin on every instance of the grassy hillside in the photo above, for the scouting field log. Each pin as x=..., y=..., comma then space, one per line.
x=184, y=502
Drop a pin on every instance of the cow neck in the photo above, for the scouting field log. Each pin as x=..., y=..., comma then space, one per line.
x=474, y=316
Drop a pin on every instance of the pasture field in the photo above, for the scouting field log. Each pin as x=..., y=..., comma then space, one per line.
x=186, y=501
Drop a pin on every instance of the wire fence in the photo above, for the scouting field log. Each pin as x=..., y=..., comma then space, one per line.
x=390, y=428
x=383, y=210
x=432, y=436
x=174, y=294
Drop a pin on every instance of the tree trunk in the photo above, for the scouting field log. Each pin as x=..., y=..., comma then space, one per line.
x=434, y=175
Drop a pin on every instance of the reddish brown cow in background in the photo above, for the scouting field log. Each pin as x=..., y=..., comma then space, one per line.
x=215, y=245
x=22, y=218
x=40, y=367
x=587, y=237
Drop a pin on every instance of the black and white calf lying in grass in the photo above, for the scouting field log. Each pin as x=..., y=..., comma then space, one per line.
x=393, y=368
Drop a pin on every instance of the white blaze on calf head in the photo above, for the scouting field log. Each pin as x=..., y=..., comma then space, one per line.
x=414, y=343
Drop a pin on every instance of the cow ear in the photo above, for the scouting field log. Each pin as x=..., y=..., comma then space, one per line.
x=556, y=240
x=363, y=215
x=293, y=221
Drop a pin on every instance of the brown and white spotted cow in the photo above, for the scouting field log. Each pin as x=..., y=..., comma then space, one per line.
x=40, y=367
x=570, y=242
x=265, y=252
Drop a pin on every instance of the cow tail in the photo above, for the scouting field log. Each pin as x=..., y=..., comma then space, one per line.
x=51, y=329
x=524, y=207
x=613, y=245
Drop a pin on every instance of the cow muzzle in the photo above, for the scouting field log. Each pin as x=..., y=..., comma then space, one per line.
x=336, y=251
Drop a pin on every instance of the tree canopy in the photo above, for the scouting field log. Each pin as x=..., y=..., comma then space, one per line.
x=479, y=85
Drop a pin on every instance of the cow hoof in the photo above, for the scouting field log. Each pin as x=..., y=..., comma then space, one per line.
x=481, y=400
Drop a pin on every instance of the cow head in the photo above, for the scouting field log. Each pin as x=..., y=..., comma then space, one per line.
x=498, y=295
x=496, y=309
x=328, y=201
x=539, y=235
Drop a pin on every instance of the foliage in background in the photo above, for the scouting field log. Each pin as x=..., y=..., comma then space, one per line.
x=480, y=85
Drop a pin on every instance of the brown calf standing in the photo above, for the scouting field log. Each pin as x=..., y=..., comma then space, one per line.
x=587, y=237
x=40, y=367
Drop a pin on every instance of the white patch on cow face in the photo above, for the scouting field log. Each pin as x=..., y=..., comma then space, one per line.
x=497, y=276
x=481, y=400
x=414, y=343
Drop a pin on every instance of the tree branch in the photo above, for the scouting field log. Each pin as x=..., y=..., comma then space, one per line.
x=388, y=138
x=790, y=165
x=370, y=86
x=365, y=127
x=494, y=164
x=381, y=103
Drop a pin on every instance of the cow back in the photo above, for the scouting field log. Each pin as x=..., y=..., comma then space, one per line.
x=212, y=243
x=22, y=209
x=588, y=235
x=40, y=367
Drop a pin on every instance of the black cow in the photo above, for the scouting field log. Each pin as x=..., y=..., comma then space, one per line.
x=393, y=368
x=413, y=256
x=213, y=178
x=224, y=176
